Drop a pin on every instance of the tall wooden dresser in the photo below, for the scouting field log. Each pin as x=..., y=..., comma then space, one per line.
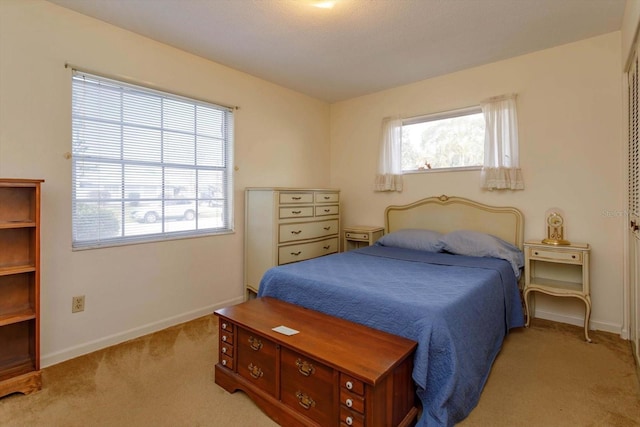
x=19, y=286
x=285, y=225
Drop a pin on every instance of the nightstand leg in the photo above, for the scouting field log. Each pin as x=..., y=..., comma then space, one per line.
x=587, y=316
x=526, y=305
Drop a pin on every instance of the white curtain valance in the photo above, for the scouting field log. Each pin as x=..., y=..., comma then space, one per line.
x=501, y=169
x=389, y=176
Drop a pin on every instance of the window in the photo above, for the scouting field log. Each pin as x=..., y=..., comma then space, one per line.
x=453, y=139
x=147, y=165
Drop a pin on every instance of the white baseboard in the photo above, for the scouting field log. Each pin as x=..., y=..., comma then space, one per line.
x=579, y=321
x=100, y=343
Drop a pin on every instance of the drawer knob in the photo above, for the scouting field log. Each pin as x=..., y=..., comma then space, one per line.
x=224, y=326
x=224, y=350
x=573, y=256
x=535, y=253
x=305, y=368
x=349, y=421
x=224, y=338
x=305, y=401
x=224, y=363
x=349, y=403
x=255, y=343
x=255, y=371
x=349, y=385
x=296, y=232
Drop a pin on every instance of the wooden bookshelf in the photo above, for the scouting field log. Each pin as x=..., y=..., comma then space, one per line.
x=20, y=286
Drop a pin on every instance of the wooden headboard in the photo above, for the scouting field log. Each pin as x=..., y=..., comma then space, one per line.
x=445, y=214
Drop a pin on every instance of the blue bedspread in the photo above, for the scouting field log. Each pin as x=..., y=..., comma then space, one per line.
x=458, y=309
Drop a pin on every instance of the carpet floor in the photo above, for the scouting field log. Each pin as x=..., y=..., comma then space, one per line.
x=546, y=375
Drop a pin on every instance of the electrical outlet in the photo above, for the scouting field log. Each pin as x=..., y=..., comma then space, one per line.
x=77, y=304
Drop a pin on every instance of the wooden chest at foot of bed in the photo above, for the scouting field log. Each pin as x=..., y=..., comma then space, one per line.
x=332, y=372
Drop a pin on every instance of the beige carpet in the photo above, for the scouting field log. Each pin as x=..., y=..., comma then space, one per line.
x=544, y=376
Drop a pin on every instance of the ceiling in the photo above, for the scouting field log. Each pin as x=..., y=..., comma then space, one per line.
x=358, y=46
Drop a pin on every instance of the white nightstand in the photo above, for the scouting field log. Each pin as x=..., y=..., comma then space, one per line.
x=359, y=236
x=561, y=271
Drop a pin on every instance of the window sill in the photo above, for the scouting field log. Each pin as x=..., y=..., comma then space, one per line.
x=454, y=169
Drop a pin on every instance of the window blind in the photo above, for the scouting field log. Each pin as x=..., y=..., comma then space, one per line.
x=147, y=165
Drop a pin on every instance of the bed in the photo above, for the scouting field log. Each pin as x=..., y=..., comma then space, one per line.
x=444, y=275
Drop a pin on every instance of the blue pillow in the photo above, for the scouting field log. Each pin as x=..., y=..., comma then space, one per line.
x=474, y=243
x=412, y=238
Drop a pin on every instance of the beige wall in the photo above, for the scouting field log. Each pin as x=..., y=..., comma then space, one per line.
x=571, y=151
x=281, y=140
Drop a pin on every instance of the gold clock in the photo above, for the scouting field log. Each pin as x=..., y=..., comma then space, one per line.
x=555, y=230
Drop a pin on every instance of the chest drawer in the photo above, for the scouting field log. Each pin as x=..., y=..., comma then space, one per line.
x=307, y=230
x=327, y=210
x=327, y=197
x=566, y=256
x=307, y=387
x=256, y=360
x=286, y=198
x=296, y=212
x=300, y=252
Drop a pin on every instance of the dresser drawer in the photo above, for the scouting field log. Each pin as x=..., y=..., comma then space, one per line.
x=296, y=212
x=226, y=349
x=352, y=384
x=351, y=400
x=256, y=360
x=307, y=230
x=567, y=256
x=350, y=418
x=359, y=236
x=325, y=197
x=327, y=210
x=300, y=252
x=226, y=361
x=286, y=198
x=307, y=387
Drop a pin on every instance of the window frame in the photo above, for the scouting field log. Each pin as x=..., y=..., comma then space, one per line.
x=227, y=118
x=450, y=114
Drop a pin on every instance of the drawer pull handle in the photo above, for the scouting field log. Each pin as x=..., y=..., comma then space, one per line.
x=349, y=421
x=255, y=343
x=255, y=371
x=327, y=210
x=349, y=385
x=296, y=212
x=305, y=368
x=535, y=253
x=296, y=232
x=327, y=197
x=327, y=228
x=326, y=248
x=573, y=256
x=349, y=403
x=305, y=401
x=296, y=198
x=296, y=253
